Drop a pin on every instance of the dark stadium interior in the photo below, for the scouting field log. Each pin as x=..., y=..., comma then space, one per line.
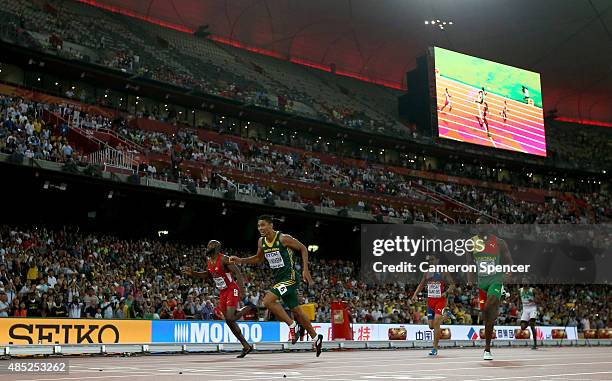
x=136, y=212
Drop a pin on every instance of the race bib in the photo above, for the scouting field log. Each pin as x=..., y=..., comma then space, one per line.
x=275, y=260
x=483, y=267
x=434, y=290
x=282, y=289
x=220, y=282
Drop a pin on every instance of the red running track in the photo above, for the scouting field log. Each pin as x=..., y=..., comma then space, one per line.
x=522, y=131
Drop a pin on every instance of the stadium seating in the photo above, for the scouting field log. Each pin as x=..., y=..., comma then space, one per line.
x=391, y=191
x=65, y=273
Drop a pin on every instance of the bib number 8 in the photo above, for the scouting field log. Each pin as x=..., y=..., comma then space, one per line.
x=282, y=289
x=235, y=292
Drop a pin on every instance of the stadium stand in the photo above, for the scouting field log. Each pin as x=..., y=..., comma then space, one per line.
x=214, y=150
x=64, y=273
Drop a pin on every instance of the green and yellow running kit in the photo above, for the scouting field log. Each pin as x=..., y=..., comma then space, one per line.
x=281, y=261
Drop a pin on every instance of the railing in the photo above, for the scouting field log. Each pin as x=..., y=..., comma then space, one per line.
x=463, y=205
x=445, y=216
x=79, y=124
x=112, y=158
x=122, y=140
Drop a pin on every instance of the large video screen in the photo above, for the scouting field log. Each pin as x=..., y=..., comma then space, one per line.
x=487, y=103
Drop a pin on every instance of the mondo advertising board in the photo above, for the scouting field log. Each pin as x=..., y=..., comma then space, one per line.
x=184, y=331
x=73, y=331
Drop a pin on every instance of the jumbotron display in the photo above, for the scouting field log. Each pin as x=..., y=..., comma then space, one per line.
x=488, y=103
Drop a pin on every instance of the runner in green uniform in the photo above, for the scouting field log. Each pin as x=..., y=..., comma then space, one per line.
x=529, y=299
x=277, y=248
x=490, y=285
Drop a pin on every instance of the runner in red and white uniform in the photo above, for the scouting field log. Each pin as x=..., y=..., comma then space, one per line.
x=447, y=101
x=437, y=294
x=504, y=111
x=231, y=289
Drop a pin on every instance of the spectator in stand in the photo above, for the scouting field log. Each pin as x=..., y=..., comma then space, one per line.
x=75, y=308
x=178, y=313
x=59, y=309
x=4, y=305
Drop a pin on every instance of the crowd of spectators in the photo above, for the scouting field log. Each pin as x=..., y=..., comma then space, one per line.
x=23, y=132
x=65, y=273
x=580, y=208
x=117, y=46
x=263, y=158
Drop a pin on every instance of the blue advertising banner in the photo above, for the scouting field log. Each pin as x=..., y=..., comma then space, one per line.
x=184, y=331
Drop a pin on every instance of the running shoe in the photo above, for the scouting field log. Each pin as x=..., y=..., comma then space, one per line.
x=434, y=352
x=318, y=343
x=534, y=347
x=245, y=351
x=487, y=355
x=450, y=315
x=296, y=332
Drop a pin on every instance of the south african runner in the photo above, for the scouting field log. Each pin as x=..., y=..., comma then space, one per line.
x=278, y=249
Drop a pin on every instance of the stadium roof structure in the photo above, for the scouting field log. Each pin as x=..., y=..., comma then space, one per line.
x=568, y=42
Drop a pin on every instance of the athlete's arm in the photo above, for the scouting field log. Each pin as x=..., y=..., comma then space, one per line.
x=292, y=243
x=419, y=288
x=537, y=296
x=470, y=261
x=237, y=274
x=450, y=284
x=197, y=274
x=505, y=252
x=252, y=260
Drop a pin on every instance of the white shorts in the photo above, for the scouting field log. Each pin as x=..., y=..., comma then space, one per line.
x=529, y=313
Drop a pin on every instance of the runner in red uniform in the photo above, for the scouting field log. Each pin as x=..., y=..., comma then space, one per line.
x=437, y=294
x=230, y=289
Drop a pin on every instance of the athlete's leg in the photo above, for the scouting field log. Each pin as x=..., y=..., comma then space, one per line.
x=230, y=320
x=292, y=299
x=491, y=310
x=299, y=315
x=482, y=300
x=244, y=310
x=272, y=304
x=533, y=332
x=437, y=330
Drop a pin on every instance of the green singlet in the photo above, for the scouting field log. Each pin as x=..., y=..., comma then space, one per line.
x=490, y=283
x=281, y=261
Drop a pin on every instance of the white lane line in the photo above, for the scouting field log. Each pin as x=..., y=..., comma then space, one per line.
x=495, y=127
x=496, y=99
x=472, y=113
x=541, y=376
x=481, y=138
x=492, y=133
